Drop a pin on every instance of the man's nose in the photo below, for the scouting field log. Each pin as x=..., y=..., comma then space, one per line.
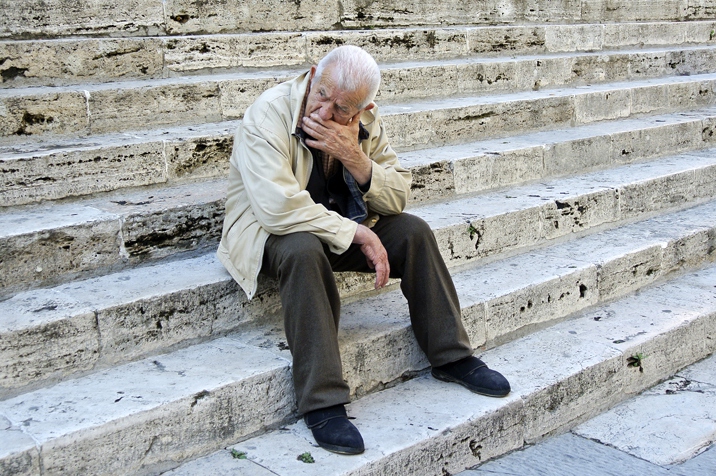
x=325, y=112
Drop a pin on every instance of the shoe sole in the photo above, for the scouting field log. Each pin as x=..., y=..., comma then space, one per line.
x=341, y=450
x=479, y=390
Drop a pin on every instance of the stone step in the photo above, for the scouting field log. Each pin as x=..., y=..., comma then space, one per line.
x=93, y=324
x=156, y=412
x=560, y=376
x=48, y=170
x=666, y=430
x=58, y=18
x=78, y=60
x=50, y=244
x=90, y=109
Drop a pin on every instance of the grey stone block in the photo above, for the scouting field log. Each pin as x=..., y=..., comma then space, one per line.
x=393, y=44
x=602, y=105
x=205, y=53
x=574, y=37
x=654, y=142
x=567, y=455
x=45, y=113
x=56, y=62
x=203, y=157
x=65, y=173
x=48, y=18
x=153, y=106
x=46, y=335
x=497, y=169
x=637, y=10
x=185, y=16
x=508, y=39
x=18, y=456
x=157, y=412
x=38, y=247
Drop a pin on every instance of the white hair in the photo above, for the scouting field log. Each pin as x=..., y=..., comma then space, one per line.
x=353, y=69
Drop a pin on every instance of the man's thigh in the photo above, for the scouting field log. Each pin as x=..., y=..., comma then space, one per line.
x=291, y=248
x=394, y=231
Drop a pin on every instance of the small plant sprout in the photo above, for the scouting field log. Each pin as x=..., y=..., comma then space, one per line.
x=306, y=457
x=472, y=231
x=712, y=35
x=237, y=454
x=636, y=360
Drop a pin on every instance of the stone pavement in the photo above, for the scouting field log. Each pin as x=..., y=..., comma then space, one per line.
x=667, y=430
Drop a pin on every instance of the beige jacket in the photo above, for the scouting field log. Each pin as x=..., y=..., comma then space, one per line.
x=269, y=172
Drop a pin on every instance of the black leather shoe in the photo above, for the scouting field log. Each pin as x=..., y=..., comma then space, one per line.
x=473, y=373
x=333, y=431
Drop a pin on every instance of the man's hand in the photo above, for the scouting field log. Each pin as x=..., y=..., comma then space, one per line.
x=375, y=254
x=341, y=142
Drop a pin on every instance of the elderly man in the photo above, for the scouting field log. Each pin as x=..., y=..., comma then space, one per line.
x=315, y=187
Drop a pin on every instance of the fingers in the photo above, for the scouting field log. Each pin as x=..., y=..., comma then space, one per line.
x=377, y=259
x=375, y=254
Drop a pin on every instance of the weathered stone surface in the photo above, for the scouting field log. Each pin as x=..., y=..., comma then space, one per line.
x=635, y=326
x=42, y=113
x=222, y=463
x=442, y=433
x=665, y=191
x=636, y=10
x=48, y=18
x=358, y=15
x=507, y=39
x=552, y=295
x=67, y=242
x=708, y=133
x=572, y=455
x=579, y=154
x=79, y=171
x=237, y=96
x=18, y=456
x=203, y=157
x=153, y=106
x=445, y=122
x=654, y=142
x=647, y=33
x=152, y=234
x=674, y=420
x=574, y=38
x=58, y=62
x=135, y=328
x=630, y=272
x=190, y=54
x=45, y=335
x=393, y=45
x=432, y=182
x=414, y=82
x=186, y=16
x=562, y=379
x=691, y=95
x=650, y=99
x=497, y=169
x=602, y=105
x=170, y=407
x=572, y=215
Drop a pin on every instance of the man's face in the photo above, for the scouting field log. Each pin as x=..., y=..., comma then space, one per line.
x=329, y=102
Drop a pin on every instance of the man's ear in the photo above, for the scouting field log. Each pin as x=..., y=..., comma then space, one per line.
x=369, y=107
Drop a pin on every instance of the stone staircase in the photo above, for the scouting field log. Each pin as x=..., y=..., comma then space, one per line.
x=564, y=154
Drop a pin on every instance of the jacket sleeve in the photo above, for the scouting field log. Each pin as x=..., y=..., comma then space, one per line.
x=390, y=182
x=275, y=195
